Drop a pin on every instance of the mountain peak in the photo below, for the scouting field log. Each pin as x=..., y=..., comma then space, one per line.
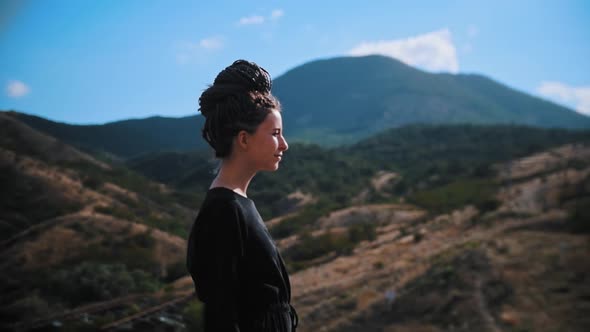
x=342, y=99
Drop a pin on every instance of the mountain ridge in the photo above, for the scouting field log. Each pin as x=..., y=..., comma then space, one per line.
x=357, y=95
x=337, y=101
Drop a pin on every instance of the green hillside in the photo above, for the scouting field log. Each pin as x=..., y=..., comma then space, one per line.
x=421, y=151
x=426, y=156
x=125, y=138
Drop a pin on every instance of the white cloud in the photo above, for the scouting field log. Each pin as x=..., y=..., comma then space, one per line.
x=212, y=43
x=276, y=14
x=467, y=48
x=182, y=58
x=17, y=89
x=433, y=51
x=472, y=31
x=576, y=97
x=187, y=50
x=250, y=20
x=209, y=44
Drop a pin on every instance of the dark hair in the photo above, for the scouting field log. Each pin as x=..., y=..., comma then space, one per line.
x=239, y=99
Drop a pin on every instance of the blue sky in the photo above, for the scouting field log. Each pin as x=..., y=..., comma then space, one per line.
x=97, y=61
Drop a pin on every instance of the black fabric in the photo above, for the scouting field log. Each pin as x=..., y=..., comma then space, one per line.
x=237, y=270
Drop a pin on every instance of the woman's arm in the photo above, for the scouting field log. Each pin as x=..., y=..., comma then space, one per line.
x=215, y=248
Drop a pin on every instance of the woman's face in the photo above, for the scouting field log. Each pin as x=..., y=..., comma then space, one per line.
x=267, y=144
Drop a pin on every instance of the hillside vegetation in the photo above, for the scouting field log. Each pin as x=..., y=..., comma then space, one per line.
x=75, y=229
x=459, y=172
x=404, y=210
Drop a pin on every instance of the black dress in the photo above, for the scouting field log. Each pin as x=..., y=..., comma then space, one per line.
x=237, y=270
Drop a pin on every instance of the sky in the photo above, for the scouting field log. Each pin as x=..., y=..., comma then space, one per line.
x=98, y=61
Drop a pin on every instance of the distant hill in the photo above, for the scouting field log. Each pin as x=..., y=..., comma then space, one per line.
x=342, y=99
x=125, y=138
x=338, y=101
x=43, y=178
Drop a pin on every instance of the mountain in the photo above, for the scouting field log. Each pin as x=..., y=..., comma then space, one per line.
x=342, y=99
x=338, y=101
x=125, y=138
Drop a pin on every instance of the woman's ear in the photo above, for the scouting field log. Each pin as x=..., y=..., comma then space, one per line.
x=242, y=139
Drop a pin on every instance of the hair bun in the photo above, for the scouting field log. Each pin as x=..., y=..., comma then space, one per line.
x=239, y=99
x=245, y=74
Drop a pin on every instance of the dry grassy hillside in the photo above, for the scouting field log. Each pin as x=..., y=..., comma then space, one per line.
x=519, y=267
x=516, y=268
x=61, y=208
x=87, y=243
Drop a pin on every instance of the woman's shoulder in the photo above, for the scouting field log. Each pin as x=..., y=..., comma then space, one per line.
x=223, y=204
x=220, y=216
x=221, y=197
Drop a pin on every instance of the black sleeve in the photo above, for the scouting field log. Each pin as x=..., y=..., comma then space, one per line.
x=217, y=246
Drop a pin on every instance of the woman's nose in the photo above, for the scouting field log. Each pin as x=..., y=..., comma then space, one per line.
x=284, y=146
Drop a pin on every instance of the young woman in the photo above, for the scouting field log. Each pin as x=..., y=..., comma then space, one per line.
x=238, y=272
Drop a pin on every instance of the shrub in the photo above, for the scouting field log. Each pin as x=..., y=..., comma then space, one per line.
x=91, y=182
x=488, y=204
x=361, y=232
x=193, y=316
x=457, y=194
x=579, y=216
x=309, y=247
x=297, y=223
x=89, y=282
x=175, y=271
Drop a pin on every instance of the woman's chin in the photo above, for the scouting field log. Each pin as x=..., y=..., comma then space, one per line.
x=273, y=167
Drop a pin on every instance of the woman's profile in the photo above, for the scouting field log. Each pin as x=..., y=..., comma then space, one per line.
x=238, y=273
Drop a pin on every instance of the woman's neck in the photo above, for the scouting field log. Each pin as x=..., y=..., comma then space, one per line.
x=233, y=175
